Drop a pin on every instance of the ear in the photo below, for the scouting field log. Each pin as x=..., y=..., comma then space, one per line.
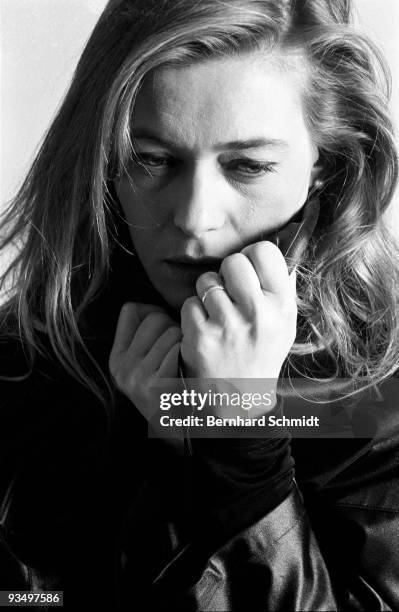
x=317, y=165
x=315, y=173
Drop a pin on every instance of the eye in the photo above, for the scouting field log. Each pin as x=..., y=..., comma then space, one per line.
x=251, y=168
x=153, y=163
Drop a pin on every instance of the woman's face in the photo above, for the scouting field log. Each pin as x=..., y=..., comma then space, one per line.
x=225, y=157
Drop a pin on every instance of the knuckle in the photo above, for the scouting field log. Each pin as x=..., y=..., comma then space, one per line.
x=188, y=308
x=134, y=383
x=128, y=306
x=131, y=387
x=230, y=261
x=231, y=331
x=189, y=304
x=194, y=336
x=157, y=317
x=114, y=366
x=202, y=343
x=207, y=278
x=118, y=380
x=128, y=310
x=112, y=363
x=248, y=250
x=266, y=245
x=174, y=331
x=263, y=250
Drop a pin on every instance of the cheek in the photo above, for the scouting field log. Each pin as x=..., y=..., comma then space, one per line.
x=126, y=197
x=142, y=222
x=273, y=205
x=297, y=184
x=139, y=209
x=288, y=191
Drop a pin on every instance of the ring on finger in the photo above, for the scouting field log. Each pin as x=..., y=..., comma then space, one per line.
x=210, y=289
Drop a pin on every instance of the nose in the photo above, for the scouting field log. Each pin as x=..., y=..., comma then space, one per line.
x=199, y=204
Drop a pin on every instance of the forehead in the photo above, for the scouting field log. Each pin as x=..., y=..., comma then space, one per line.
x=222, y=99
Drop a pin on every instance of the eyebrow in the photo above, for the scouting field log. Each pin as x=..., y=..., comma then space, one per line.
x=237, y=145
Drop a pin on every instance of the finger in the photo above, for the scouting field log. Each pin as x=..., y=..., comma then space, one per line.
x=161, y=347
x=144, y=310
x=148, y=333
x=242, y=282
x=192, y=315
x=270, y=266
x=169, y=366
x=128, y=322
x=130, y=318
x=217, y=302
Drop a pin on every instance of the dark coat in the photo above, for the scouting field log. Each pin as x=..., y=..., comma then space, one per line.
x=97, y=510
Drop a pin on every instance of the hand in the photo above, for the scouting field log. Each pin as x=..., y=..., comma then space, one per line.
x=145, y=349
x=247, y=330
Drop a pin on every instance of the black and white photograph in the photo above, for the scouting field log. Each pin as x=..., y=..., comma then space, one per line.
x=199, y=305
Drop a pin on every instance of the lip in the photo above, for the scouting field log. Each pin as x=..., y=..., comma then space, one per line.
x=195, y=262
x=188, y=268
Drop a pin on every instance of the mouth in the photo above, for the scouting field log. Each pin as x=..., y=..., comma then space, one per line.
x=191, y=268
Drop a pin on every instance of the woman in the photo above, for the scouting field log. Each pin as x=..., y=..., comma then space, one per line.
x=193, y=136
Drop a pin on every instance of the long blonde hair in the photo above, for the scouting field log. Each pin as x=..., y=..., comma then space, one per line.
x=62, y=218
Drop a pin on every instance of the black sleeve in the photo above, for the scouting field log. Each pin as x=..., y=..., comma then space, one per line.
x=236, y=481
x=54, y=483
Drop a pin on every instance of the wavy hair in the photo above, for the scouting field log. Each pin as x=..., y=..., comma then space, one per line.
x=62, y=220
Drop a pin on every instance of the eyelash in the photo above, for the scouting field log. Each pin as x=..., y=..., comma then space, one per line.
x=259, y=167
x=144, y=161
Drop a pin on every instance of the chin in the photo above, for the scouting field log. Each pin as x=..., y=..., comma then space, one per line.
x=177, y=296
